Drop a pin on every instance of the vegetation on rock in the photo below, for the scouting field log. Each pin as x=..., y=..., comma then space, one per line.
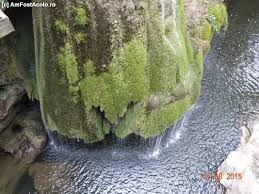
x=218, y=17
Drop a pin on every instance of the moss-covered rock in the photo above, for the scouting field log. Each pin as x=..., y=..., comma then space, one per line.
x=117, y=66
x=220, y=15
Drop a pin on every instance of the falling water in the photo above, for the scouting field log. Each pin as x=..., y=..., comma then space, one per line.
x=174, y=13
x=172, y=44
x=52, y=141
x=168, y=42
x=157, y=148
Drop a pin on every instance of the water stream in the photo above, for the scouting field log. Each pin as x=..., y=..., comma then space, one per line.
x=175, y=161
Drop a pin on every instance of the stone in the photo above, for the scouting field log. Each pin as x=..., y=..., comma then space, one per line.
x=10, y=96
x=6, y=26
x=244, y=161
x=25, y=137
x=46, y=174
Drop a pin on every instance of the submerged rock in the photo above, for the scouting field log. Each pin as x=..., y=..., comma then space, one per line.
x=120, y=66
x=25, y=137
x=11, y=172
x=46, y=174
x=241, y=168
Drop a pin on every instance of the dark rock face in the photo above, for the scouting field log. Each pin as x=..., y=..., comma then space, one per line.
x=21, y=128
x=227, y=2
x=25, y=137
x=11, y=95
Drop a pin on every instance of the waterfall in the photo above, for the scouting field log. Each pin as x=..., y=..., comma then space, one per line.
x=174, y=23
x=157, y=148
x=174, y=13
x=168, y=42
x=178, y=128
x=52, y=142
x=59, y=142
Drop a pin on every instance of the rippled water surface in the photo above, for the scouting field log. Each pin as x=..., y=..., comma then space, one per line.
x=175, y=161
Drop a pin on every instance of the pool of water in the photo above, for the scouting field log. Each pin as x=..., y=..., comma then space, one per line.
x=175, y=161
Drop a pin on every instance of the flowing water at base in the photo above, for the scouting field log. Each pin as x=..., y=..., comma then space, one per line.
x=175, y=161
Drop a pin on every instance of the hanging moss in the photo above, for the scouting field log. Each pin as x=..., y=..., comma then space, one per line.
x=206, y=33
x=132, y=121
x=219, y=12
x=68, y=64
x=157, y=121
x=124, y=82
x=89, y=68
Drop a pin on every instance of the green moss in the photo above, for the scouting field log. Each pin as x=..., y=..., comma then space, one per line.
x=171, y=67
x=61, y=27
x=89, y=68
x=74, y=90
x=132, y=121
x=30, y=85
x=80, y=38
x=96, y=121
x=80, y=16
x=162, y=63
x=158, y=60
x=157, y=121
x=124, y=82
x=212, y=20
x=218, y=17
x=199, y=62
x=68, y=64
x=206, y=33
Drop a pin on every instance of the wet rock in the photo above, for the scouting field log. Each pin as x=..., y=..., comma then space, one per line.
x=21, y=128
x=10, y=96
x=11, y=88
x=25, y=137
x=241, y=168
x=11, y=172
